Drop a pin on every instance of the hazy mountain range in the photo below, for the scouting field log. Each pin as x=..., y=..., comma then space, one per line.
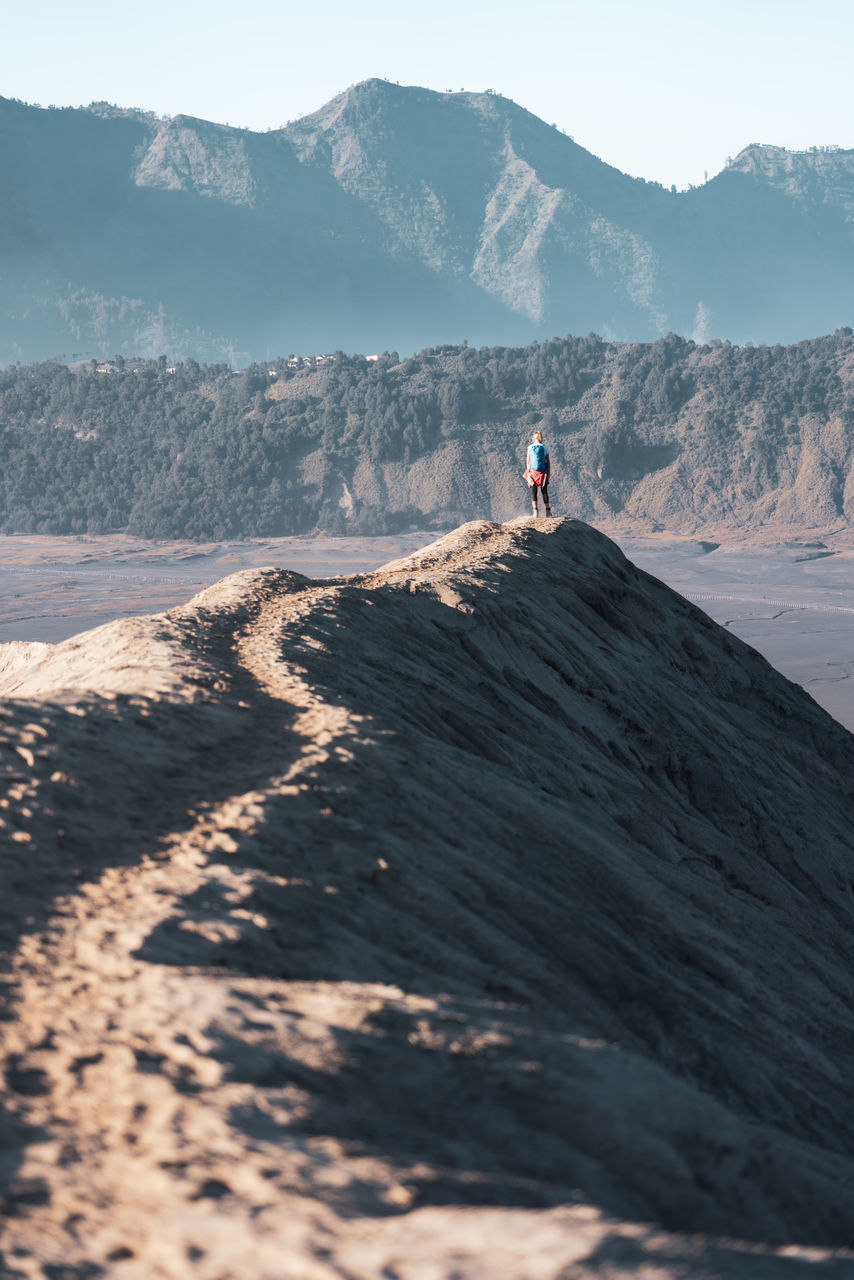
x=394, y=218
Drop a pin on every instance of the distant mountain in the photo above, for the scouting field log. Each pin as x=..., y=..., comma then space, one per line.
x=395, y=218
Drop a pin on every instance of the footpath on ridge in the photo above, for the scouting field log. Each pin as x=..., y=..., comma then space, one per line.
x=389, y=921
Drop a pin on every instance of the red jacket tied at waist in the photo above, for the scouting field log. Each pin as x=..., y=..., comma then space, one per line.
x=538, y=478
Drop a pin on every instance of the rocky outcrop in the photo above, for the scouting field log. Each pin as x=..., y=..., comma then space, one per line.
x=192, y=155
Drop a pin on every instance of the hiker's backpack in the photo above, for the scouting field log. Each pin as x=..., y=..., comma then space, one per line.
x=537, y=455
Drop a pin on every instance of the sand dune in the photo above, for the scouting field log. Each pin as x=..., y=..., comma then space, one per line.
x=487, y=915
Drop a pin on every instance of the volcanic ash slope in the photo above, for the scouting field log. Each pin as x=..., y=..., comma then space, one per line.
x=488, y=915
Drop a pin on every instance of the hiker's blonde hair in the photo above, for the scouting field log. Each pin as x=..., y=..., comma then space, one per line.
x=538, y=437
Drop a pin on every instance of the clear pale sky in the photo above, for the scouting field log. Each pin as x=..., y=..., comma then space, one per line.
x=664, y=90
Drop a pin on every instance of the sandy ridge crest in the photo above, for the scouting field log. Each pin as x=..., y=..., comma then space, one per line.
x=486, y=914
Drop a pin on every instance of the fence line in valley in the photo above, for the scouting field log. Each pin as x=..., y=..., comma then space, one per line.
x=773, y=604
x=83, y=571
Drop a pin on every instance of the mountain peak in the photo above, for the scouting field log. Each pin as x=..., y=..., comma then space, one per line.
x=768, y=156
x=375, y=95
x=109, y=111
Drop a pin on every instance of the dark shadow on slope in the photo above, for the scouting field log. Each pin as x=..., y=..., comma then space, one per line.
x=662, y=873
x=620, y=1258
x=479, y=1103
x=17, y=1194
x=643, y=459
x=646, y=877
x=452, y=1100
x=110, y=785
x=95, y=782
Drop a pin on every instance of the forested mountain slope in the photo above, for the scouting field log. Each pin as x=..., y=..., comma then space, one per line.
x=670, y=433
x=394, y=217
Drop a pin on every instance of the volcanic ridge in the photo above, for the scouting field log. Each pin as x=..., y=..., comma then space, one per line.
x=490, y=914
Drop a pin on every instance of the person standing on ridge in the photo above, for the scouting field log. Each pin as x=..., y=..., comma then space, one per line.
x=537, y=472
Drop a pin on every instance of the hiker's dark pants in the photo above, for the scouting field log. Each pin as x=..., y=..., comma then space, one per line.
x=544, y=490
